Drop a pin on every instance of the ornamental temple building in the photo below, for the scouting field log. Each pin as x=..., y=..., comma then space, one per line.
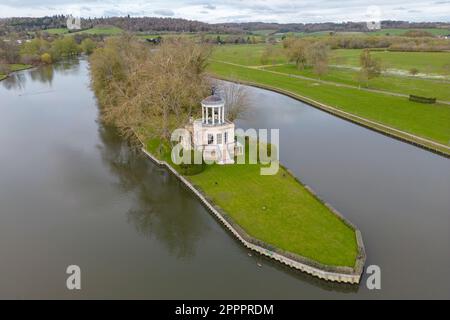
x=213, y=134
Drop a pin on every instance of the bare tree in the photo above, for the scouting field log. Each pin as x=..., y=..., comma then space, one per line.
x=296, y=51
x=151, y=90
x=317, y=56
x=237, y=102
x=370, y=67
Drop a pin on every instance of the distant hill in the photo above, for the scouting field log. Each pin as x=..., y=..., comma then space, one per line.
x=153, y=24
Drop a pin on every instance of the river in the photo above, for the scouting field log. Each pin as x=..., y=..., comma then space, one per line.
x=72, y=192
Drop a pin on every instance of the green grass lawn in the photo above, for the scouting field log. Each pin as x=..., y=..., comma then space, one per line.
x=425, y=62
x=106, y=30
x=18, y=67
x=277, y=210
x=247, y=54
x=428, y=121
x=56, y=30
x=398, y=84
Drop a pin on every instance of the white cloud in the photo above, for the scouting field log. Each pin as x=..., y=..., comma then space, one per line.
x=215, y=11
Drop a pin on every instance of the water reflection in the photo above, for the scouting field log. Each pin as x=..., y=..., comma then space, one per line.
x=43, y=74
x=15, y=81
x=162, y=208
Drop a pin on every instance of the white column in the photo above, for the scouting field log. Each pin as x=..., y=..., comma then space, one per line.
x=206, y=120
x=203, y=115
x=214, y=116
x=223, y=114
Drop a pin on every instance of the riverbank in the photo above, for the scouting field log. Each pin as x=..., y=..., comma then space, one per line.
x=280, y=218
x=14, y=68
x=294, y=88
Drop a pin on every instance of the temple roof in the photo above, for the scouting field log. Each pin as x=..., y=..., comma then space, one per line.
x=213, y=101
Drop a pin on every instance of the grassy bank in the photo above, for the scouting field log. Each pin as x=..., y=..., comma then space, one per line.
x=275, y=209
x=404, y=85
x=427, y=121
x=14, y=68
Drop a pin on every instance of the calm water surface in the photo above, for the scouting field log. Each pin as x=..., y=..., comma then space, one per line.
x=72, y=192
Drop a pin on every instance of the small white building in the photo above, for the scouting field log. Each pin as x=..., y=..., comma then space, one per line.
x=213, y=134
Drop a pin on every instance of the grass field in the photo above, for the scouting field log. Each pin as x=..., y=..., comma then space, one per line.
x=400, y=32
x=427, y=121
x=404, y=85
x=434, y=62
x=278, y=210
x=106, y=31
x=264, y=32
x=382, y=32
x=247, y=54
x=56, y=31
x=425, y=62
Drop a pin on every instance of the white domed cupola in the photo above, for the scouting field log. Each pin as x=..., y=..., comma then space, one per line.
x=213, y=111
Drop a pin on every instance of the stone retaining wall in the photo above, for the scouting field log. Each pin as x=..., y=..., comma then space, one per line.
x=330, y=273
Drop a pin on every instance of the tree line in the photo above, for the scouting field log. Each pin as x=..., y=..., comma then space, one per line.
x=43, y=49
x=147, y=24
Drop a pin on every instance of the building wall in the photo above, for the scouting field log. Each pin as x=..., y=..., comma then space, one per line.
x=200, y=139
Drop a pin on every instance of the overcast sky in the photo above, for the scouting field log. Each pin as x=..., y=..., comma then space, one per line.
x=212, y=11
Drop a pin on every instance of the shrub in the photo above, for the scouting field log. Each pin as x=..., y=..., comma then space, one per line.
x=46, y=58
x=422, y=99
x=32, y=59
x=88, y=46
x=64, y=47
x=418, y=33
x=414, y=71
